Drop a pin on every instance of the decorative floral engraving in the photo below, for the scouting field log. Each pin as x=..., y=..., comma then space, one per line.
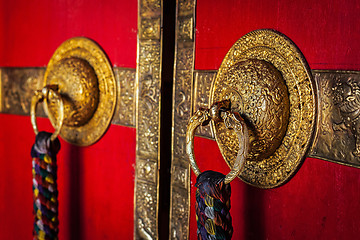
x=149, y=95
x=276, y=49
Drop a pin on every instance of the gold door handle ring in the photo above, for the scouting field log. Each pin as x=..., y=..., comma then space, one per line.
x=232, y=120
x=40, y=95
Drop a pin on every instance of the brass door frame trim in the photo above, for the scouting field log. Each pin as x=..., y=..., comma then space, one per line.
x=148, y=99
x=181, y=112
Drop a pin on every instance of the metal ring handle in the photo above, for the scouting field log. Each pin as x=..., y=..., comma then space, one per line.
x=39, y=96
x=232, y=120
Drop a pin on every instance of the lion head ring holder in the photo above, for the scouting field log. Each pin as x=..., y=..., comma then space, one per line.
x=263, y=118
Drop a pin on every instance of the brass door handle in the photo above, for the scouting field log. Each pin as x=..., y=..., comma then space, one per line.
x=269, y=83
x=48, y=92
x=87, y=89
x=219, y=112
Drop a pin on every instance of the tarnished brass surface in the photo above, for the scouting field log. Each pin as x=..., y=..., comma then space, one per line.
x=182, y=111
x=18, y=85
x=220, y=113
x=148, y=77
x=87, y=84
x=253, y=99
x=337, y=136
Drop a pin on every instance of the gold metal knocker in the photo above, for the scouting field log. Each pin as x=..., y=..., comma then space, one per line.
x=264, y=90
x=268, y=82
x=219, y=112
x=50, y=93
x=86, y=84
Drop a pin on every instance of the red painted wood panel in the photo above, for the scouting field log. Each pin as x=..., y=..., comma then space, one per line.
x=321, y=201
x=32, y=30
x=95, y=183
x=327, y=31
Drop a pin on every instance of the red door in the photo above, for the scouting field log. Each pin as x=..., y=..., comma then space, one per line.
x=322, y=200
x=96, y=183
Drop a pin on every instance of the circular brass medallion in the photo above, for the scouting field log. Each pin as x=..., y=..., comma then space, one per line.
x=85, y=80
x=270, y=84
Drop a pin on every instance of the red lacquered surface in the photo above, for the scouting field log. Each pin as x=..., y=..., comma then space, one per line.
x=95, y=183
x=32, y=30
x=327, y=32
x=321, y=201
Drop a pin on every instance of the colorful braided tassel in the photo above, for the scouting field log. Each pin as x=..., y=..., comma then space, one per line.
x=212, y=206
x=44, y=171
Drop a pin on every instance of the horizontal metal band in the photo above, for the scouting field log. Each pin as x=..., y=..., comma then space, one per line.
x=337, y=136
x=17, y=86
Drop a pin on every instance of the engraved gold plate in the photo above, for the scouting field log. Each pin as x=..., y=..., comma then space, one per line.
x=270, y=84
x=86, y=82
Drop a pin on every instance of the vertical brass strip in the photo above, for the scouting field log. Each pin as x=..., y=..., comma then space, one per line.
x=182, y=109
x=148, y=84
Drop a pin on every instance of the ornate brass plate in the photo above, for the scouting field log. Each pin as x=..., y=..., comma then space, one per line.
x=86, y=83
x=337, y=136
x=270, y=84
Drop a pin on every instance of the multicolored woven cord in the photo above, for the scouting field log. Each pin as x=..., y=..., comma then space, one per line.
x=212, y=206
x=44, y=171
